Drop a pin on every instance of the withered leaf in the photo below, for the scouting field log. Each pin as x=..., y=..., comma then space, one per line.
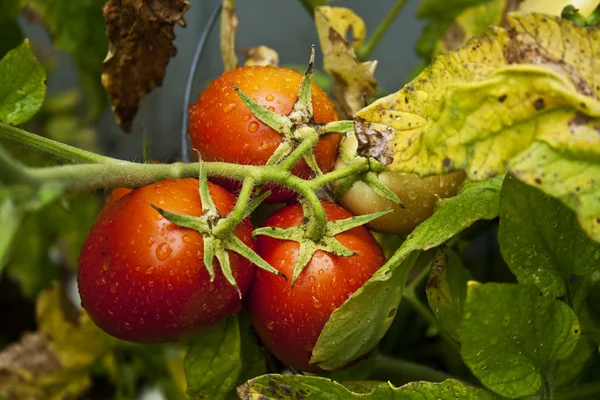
x=141, y=34
x=261, y=55
x=353, y=81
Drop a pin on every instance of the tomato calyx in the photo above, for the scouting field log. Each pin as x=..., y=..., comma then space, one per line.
x=217, y=230
x=348, y=154
x=298, y=129
x=327, y=242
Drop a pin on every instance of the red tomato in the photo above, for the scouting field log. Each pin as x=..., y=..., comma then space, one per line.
x=142, y=278
x=288, y=320
x=222, y=128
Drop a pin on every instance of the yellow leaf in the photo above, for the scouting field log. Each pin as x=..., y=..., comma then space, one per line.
x=500, y=98
x=261, y=55
x=140, y=46
x=555, y=7
x=353, y=81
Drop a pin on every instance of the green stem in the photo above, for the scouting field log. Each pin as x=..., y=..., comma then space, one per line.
x=400, y=372
x=11, y=170
x=299, y=151
x=367, y=48
x=359, y=166
x=410, y=295
x=309, y=5
x=59, y=151
x=237, y=214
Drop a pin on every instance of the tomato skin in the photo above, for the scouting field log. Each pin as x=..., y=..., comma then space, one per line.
x=142, y=278
x=222, y=128
x=288, y=320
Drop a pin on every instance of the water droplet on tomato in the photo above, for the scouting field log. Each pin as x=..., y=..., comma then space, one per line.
x=311, y=279
x=150, y=240
x=171, y=312
x=163, y=251
x=269, y=97
x=321, y=272
x=309, y=347
x=316, y=302
x=106, y=264
x=142, y=321
x=170, y=287
x=246, y=117
x=204, y=306
x=352, y=281
x=412, y=195
x=149, y=270
x=128, y=326
x=253, y=126
x=271, y=108
x=113, y=287
x=271, y=325
x=186, y=238
x=229, y=107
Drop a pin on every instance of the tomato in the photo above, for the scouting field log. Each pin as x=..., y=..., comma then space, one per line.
x=222, y=128
x=288, y=320
x=142, y=278
x=418, y=195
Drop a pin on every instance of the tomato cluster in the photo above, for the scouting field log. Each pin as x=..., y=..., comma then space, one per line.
x=142, y=277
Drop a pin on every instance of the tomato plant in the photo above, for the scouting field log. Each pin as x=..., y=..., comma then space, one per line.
x=289, y=319
x=444, y=241
x=222, y=128
x=142, y=278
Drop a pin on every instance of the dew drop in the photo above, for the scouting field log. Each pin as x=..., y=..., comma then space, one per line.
x=150, y=270
x=271, y=325
x=253, y=126
x=229, y=107
x=269, y=97
x=113, y=287
x=412, y=195
x=163, y=251
x=106, y=264
x=170, y=287
x=186, y=238
x=334, y=282
x=150, y=240
x=316, y=302
x=128, y=326
x=311, y=279
x=321, y=272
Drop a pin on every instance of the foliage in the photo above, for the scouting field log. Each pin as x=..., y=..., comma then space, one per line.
x=501, y=283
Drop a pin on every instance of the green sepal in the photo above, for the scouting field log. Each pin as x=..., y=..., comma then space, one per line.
x=279, y=123
x=234, y=244
x=223, y=258
x=209, y=255
x=187, y=221
x=343, y=126
x=208, y=206
x=281, y=152
x=371, y=179
x=343, y=225
x=303, y=109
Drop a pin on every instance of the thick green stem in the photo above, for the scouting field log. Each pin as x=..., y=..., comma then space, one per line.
x=59, y=151
x=367, y=48
x=299, y=151
x=359, y=166
x=11, y=170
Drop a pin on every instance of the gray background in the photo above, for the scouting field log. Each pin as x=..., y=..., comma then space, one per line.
x=281, y=24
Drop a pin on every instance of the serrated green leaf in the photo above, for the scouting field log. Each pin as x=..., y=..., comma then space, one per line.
x=512, y=337
x=447, y=289
x=213, y=361
x=10, y=33
x=359, y=324
x=510, y=97
x=22, y=85
x=540, y=239
x=275, y=387
x=78, y=28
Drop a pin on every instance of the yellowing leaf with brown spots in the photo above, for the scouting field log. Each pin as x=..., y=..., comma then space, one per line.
x=353, y=81
x=523, y=98
x=140, y=34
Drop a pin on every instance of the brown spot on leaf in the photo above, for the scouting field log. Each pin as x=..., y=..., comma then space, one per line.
x=437, y=268
x=374, y=142
x=140, y=34
x=454, y=37
x=539, y=104
x=446, y=162
x=502, y=98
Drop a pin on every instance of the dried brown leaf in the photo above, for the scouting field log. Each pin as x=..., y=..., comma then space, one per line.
x=141, y=34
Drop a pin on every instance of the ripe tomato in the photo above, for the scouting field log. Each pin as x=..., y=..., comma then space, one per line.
x=288, y=320
x=222, y=128
x=142, y=278
x=418, y=195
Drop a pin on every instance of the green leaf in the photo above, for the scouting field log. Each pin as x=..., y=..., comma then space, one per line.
x=213, y=362
x=275, y=387
x=447, y=289
x=511, y=97
x=540, y=239
x=435, y=8
x=358, y=325
x=78, y=28
x=22, y=85
x=10, y=33
x=513, y=336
